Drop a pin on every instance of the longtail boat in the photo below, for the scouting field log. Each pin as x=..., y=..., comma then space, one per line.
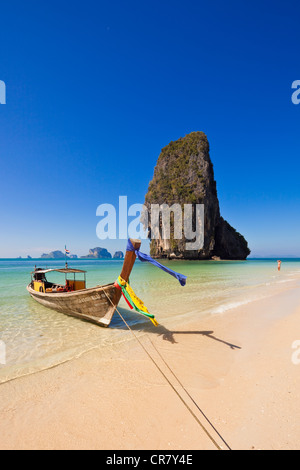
x=96, y=304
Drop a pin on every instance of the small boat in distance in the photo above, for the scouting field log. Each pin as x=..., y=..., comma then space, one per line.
x=96, y=304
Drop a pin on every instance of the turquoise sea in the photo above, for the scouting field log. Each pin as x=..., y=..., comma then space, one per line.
x=33, y=337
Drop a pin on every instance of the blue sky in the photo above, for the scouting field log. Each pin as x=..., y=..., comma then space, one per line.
x=95, y=89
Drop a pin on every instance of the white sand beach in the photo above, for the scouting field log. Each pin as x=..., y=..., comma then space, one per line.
x=237, y=366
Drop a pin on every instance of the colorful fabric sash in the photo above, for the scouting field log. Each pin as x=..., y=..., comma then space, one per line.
x=144, y=257
x=132, y=299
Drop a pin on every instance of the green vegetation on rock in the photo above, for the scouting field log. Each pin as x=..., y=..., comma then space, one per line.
x=184, y=175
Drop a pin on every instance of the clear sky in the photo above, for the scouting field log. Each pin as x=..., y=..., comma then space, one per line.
x=95, y=89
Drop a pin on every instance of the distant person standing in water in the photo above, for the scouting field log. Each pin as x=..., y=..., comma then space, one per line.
x=279, y=265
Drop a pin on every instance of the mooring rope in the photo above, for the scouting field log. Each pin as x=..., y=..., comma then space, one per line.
x=189, y=395
x=170, y=383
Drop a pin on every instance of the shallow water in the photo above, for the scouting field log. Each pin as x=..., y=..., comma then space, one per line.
x=34, y=338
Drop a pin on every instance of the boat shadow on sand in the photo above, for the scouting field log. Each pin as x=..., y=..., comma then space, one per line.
x=160, y=330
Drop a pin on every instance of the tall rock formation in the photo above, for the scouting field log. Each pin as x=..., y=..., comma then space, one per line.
x=184, y=174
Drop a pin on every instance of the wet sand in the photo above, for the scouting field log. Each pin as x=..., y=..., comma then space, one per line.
x=237, y=366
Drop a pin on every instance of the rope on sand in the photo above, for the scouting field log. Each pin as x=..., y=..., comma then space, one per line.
x=189, y=395
x=172, y=386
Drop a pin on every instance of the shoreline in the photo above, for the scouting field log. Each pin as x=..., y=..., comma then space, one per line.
x=260, y=291
x=236, y=365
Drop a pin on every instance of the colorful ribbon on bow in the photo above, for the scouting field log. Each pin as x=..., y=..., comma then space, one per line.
x=144, y=257
x=132, y=299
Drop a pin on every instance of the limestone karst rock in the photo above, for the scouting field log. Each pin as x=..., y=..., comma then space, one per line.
x=184, y=174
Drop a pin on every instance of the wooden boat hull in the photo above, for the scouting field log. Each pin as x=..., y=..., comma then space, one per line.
x=88, y=304
x=96, y=304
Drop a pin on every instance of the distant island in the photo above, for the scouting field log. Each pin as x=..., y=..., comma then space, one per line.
x=53, y=255
x=97, y=253
x=118, y=255
x=94, y=253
